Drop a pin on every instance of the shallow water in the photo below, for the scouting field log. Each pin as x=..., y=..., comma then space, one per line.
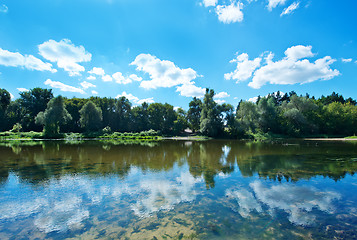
x=178, y=190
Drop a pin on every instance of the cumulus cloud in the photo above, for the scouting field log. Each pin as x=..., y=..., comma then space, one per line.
x=63, y=87
x=86, y=85
x=66, y=55
x=222, y=95
x=298, y=52
x=97, y=71
x=290, y=9
x=210, y=3
x=274, y=3
x=23, y=89
x=91, y=78
x=190, y=90
x=297, y=201
x=245, y=68
x=94, y=92
x=15, y=59
x=134, y=99
x=120, y=79
x=163, y=73
x=219, y=101
x=346, y=60
x=3, y=8
x=292, y=69
x=230, y=13
x=253, y=99
x=107, y=78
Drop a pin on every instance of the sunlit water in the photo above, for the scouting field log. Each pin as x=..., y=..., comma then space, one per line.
x=178, y=190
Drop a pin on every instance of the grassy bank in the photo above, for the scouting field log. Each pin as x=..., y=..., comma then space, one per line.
x=145, y=135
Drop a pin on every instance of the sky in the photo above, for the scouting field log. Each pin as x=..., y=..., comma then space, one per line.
x=171, y=50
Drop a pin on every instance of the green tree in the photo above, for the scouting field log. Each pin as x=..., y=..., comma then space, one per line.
x=268, y=116
x=140, y=121
x=54, y=116
x=247, y=116
x=91, y=117
x=122, y=115
x=33, y=102
x=180, y=124
x=194, y=114
x=211, y=122
x=5, y=100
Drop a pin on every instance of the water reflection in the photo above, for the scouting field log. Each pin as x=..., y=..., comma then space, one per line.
x=297, y=201
x=184, y=189
x=37, y=164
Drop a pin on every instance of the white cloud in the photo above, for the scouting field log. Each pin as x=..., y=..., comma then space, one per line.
x=15, y=59
x=107, y=78
x=290, y=9
x=274, y=3
x=97, y=71
x=4, y=8
x=147, y=100
x=292, y=69
x=163, y=73
x=91, y=78
x=190, y=90
x=222, y=95
x=12, y=96
x=86, y=85
x=134, y=99
x=66, y=55
x=299, y=52
x=210, y=3
x=245, y=68
x=219, y=101
x=23, y=89
x=230, y=13
x=346, y=60
x=129, y=96
x=63, y=87
x=253, y=99
x=120, y=79
x=94, y=92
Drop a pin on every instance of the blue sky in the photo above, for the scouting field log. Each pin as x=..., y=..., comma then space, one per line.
x=170, y=50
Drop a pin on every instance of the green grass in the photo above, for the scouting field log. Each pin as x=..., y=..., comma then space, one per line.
x=351, y=137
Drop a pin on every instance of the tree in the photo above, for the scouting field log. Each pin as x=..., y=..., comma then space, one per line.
x=122, y=115
x=211, y=123
x=91, y=117
x=33, y=102
x=140, y=121
x=247, y=116
x=5, y=99
x=268, y=118
x=180, y=124
x=54, y=116
x=194, y=114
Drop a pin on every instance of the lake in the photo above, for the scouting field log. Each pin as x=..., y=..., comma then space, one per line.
x=212, y=189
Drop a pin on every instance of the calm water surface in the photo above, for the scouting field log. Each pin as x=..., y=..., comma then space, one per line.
x=178, y=190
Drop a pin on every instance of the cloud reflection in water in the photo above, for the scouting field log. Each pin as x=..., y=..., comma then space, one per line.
x=297, y=201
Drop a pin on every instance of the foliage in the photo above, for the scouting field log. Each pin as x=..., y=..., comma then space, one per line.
x=33, y=102
x=91, y=117
x=277, y=114
x=54, y=116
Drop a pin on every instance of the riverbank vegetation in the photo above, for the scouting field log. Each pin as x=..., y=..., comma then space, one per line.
x=272, y=116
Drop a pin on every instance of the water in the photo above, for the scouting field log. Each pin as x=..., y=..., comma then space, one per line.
x=178, y=190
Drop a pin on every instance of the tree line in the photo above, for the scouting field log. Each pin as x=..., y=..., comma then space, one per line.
x=275, y=114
